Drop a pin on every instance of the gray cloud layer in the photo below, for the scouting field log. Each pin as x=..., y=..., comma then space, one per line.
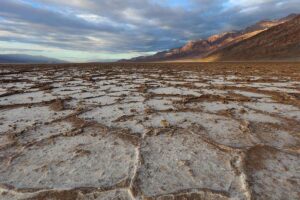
x=120, y=26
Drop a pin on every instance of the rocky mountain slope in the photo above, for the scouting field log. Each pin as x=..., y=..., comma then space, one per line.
x=204, y=47
x=281, y=42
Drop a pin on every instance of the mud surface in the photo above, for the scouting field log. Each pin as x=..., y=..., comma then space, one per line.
x=150, y=131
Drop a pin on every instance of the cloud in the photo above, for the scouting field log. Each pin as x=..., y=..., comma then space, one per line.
x=127, y=27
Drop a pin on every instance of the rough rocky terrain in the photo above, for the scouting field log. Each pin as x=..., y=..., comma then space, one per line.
x=279, y=44
x=150, y=131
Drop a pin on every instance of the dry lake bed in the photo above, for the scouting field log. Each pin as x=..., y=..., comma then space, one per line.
x=150, y=131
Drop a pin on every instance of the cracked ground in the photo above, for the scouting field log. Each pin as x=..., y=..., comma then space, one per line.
x=150, y=131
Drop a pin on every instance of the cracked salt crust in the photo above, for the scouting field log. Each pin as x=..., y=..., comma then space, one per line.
x=277, y=89
x=44, y=132
x=254, y=116
x=134, y=97
x=89, y=95
x=251, y=94
x=215, y=107
x=181, y=161
x=107, y=115
x=283, y=110
x=109, y=195
x=173, y=90
x=17, y=85
x=25, y=98
x=133, y=133
x=279, y=138
x=223, y=130
x=2, y=91
x=63, y=164
x=18, y=119
x=101, y=101
x=160, y=104
x=273, y=174
x=204, y=91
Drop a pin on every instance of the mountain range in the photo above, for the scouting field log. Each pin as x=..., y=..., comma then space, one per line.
x=23, y=58
x=266, y=40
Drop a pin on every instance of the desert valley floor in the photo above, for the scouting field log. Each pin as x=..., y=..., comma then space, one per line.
x=150, y=131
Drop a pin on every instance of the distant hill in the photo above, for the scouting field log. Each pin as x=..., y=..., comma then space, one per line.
x=22, y=58
x=203, y=48
x=280, y=42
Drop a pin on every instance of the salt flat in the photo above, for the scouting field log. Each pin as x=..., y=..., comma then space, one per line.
x=150, y=131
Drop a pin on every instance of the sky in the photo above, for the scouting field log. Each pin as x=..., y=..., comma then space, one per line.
x=106, y=30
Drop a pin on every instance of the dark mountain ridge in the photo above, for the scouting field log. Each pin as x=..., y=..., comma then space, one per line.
x=204, y=47
x=281, y=42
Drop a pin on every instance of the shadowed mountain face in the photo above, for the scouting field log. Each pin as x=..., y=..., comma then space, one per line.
x=280, y=42
x=22, y=58
x=202, y=48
